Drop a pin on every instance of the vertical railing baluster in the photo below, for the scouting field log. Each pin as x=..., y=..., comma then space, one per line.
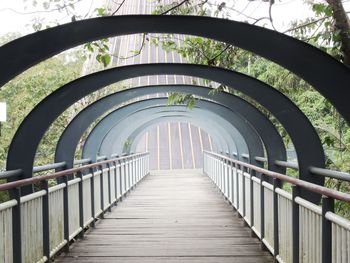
x=251, y=196
x=81, y=203
x=92, y=196
x=115, y=183
x=46, y=220
x=237, y=189
x=232, y=186
x=243, y=168
x=121, y=179
x=327, y=206
x=295, y=224
x=125, y=176
x=66, y=212
x=101, y=191
x=109, y=187
x=262, y=211
x=16, y=227
x=276, y=184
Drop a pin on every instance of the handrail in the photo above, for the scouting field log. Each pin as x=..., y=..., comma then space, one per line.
x=82, y=161
x=46, y=167
x=291, y=165
x=296, y=227
x=314, y=170
x=306, y=185
x=37, y=179
x=9, y=174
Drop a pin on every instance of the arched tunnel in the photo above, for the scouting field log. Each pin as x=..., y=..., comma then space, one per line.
x=244, y=138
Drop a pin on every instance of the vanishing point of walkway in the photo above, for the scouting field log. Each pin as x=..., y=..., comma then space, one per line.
x=172, y=216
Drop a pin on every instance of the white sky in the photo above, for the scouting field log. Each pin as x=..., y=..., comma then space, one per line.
x=11, y=21
x=283, y=12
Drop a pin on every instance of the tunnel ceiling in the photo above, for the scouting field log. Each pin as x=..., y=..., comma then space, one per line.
x=323, y=72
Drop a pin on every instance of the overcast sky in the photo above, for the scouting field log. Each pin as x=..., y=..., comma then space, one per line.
x=283, y=12
x=14, y=19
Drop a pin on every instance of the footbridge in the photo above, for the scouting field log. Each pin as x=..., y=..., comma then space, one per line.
x=109, y=206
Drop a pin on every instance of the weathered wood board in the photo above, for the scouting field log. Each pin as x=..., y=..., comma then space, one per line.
x=172, y=216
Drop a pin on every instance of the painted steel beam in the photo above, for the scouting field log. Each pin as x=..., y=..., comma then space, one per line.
x=319, y=69
x=272, y=140
x=305, y=139
x=231, y=131
x=224, y=143
x=93, y=142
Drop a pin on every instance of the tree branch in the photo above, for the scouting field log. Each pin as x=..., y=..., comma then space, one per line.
x=212, y=60
x=174, y=7
x=120, y=6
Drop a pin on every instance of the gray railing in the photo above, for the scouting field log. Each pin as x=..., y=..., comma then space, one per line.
x=33, y=228
x=291, y=228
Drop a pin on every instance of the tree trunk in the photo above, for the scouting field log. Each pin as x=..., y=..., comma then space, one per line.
x=343, y=25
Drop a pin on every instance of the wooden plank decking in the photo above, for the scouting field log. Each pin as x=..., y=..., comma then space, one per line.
x=172, y=216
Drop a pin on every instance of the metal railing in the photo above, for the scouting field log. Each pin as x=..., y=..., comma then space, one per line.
x=33, y=228
x=291, y=228
x=294, y=165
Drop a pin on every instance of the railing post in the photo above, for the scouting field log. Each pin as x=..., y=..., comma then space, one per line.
x=232, y=186
x=224, y=177
x=121, y=179
x=46, y=220
x=251, y=196
x=115, y=183
x=101, y=191
x=327, y=206
x=66, y=212
x=92, y=196
x=109, y=187
x=81, y=204
x=243, y=168
x=237, y=188
x=16, y=227
x=276, y=184
x=295, y=224
x=125, y=175
x=229, y=180
x=262, y=211
x=134, y=172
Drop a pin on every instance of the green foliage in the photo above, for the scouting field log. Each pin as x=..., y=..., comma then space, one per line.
x=126, y=146
x=24, y=92
x=177, y=98
x=101, y=49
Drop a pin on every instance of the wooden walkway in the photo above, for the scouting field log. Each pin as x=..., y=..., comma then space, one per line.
x=172, y=216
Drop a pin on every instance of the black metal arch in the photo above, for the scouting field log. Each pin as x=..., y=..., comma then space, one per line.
x=22, y=151
x=70, y=138
x=273, y=142
x=327, y=75
x=135, y=136
x=93, y=142
x=206, y=113
x=224, y=143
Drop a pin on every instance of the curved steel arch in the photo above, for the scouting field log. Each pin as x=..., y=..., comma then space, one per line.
x=22, y=150
x=272, y=140
x=135, y=136
x=190, y=119
x=224, y=143
x=233, y=127
x=322, y=71
x=93, y=142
